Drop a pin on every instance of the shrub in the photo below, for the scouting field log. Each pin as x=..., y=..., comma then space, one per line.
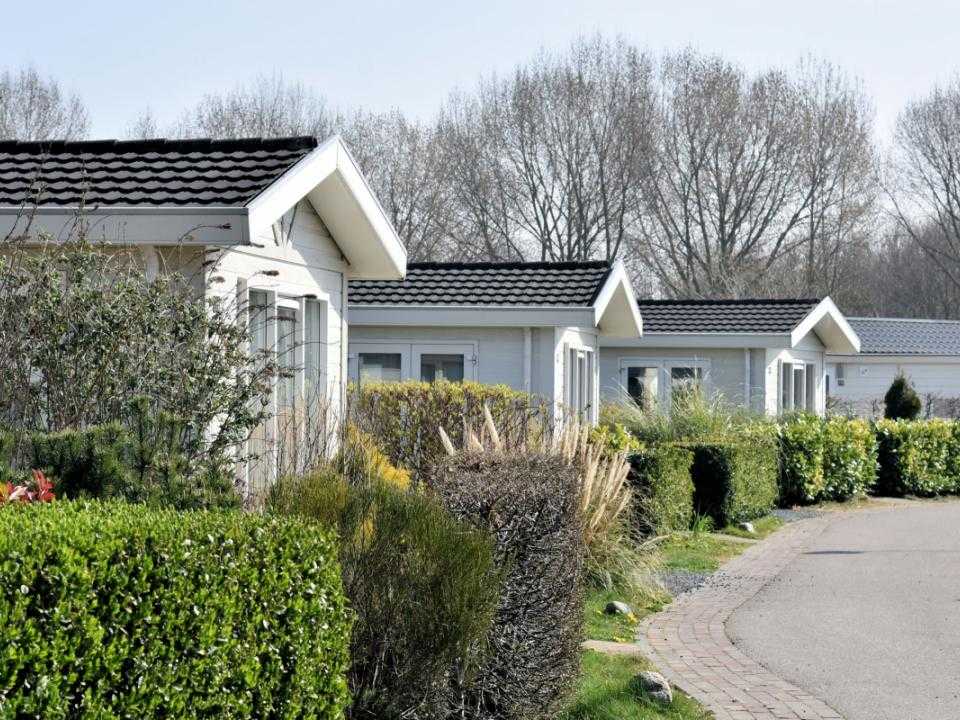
x=144, y=462
x=422, y=586
x=915, y=457
x=901, y=401
x=849, y=458
x=530, y=503
x=735, y=481
x=660, y=476
x=801, y=447
x=116, y=610
x=404, y=417
x=362, y=460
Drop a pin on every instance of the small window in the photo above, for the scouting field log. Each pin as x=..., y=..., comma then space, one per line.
x=258, y=310
x=799, y=387
x=315, y=349
x=643, y=385
x=380, y=367
x=435, y=367
x=286, y=357
x=684, y=382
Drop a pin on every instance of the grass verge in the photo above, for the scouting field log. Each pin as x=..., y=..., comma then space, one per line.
x=617, y=628
x=606, y=691
x=698, y=551
x=763, y=527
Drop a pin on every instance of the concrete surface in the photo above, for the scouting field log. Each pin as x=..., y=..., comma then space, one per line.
x=867, y=616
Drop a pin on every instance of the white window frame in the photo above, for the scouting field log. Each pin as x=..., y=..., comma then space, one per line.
x=810, y=393
x=385, y=347
x=467, y=350
x=664, y=367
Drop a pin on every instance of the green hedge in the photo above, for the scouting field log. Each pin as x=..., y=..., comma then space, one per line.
x=736, y=481
x=404, y=416
x=115, y=610
x=660, y=476
x=801, y=448
x=849, y=458
x=917, y=457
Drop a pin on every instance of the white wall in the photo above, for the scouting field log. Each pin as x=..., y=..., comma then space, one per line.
x=868, y=377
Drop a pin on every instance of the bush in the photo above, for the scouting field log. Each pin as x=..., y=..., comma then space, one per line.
x=915, y=457
x=115, y=610
x=404, y=417
x=801, y=446
x=901, y=401
x=849, y=458
x=144, y=463
x=735, y=481
x=422, y=586
x=660, y=476
x=530, y=503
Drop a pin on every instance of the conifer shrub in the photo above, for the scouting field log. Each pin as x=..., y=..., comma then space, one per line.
x=901, y=401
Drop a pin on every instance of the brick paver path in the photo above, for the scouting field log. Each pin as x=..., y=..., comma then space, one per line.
x=688, y=642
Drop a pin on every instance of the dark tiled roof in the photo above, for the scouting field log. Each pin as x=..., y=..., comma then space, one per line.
x=531, y=284
x=728, y=316
x=897, y=336
x=212, y=173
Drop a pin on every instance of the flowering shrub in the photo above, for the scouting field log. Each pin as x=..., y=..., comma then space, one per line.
x=41, y=490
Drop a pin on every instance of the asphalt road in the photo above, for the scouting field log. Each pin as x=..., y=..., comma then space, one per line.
x=868, y=616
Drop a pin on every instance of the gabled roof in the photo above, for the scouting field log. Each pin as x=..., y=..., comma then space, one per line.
x=204, y=192
x=727, y=316
x=535, y=284
x=744, y=323
x=907, y=336
x=145, y=173
x=492, y=291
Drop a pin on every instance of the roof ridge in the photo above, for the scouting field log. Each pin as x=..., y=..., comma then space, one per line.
x=298, y=142
x=511, y=265
x=725, y=301
x=910, y=320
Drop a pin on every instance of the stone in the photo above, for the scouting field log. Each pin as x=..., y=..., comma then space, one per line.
x=655, y=686
x=617, y=608
x=747, y=527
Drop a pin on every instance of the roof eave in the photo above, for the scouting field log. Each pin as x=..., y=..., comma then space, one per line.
x=830, y=326
x=616, y=313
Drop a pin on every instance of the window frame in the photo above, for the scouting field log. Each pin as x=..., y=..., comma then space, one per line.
x=665, y=367
x=467, y=350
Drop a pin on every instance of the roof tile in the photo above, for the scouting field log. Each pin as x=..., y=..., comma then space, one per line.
x=728, y=316
x=900, y=336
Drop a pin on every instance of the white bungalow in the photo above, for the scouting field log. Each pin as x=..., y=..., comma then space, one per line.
x=926, y=351
x=767, y=355
x=284, y=225
x=533, y=326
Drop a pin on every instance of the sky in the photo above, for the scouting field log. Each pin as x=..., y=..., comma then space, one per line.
x=122, y=57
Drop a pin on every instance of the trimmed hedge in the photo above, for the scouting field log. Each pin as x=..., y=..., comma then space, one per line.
x=917, y=457
x=404, y=416
x=115, y=610
x=660, y=476
x=801, y=447
x=849, y=458
x=735, y=481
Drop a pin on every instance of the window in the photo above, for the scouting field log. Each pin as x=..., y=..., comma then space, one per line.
x=380, y=367
x=434, y=366
x=258, y=309
x=643, y=385
x=662, y=382
x=286, y=358
x=798, y=386
x=315, y=349
x=580, y=383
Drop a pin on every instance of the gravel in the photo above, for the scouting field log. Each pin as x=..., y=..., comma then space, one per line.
x=794, y=514
x=678, y=582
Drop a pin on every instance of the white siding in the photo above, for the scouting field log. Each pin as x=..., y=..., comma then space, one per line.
x=867, y=379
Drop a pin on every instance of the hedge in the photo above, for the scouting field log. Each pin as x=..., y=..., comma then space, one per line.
x=801, y=448
x=115, y=610
x=660, y=476
x=404, y=417
x=917, y=457
x=849, y=458
x=735, y=481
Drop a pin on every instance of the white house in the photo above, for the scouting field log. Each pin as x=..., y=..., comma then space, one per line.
x=533, y=326
x=926, y=351
x=283, y=225
x=767, y=355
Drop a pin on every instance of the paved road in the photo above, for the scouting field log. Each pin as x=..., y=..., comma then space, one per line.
x=868, y=617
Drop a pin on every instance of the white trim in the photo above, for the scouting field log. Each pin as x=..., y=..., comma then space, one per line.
x=468, y=351
x=385, y=347
x=329, y=178
x=628, y=324
x=830, y=326
x=664, y=366
x=470, y=316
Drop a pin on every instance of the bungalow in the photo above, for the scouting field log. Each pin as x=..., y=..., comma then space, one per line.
x=766, y=355
x=926, y=351
x=533, y=326
x=283, y=225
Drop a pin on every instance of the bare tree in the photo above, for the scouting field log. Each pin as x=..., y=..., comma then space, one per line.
x=544, y=163
x=34, y=108
x=923, y=181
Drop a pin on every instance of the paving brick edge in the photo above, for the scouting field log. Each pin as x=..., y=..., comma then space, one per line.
x=688, y=641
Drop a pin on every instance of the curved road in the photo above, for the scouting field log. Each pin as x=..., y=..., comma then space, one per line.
x=868, y=616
